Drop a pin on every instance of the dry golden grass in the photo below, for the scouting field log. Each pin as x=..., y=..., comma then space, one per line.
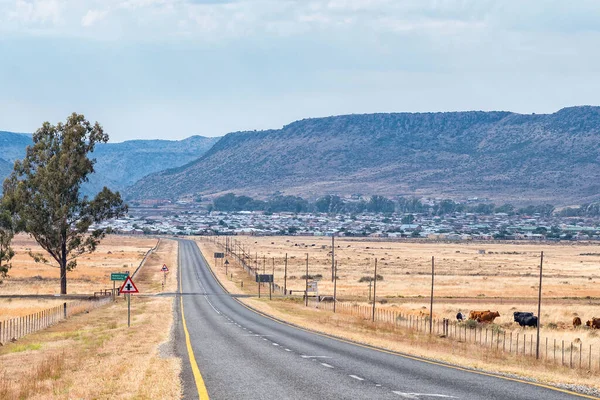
x=506, y=270
x=96, y=356
x=115, y=254
x=10, y=308
x=461, y=297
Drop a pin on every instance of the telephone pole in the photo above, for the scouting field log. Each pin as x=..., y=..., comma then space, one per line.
x=537, y=344
x=285, y=276
x=332, y=257
x=431, y=300
x=374, y=289
x=306, y=288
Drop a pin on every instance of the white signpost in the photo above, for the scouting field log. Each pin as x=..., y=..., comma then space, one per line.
x=128, y=288
x=313, y=286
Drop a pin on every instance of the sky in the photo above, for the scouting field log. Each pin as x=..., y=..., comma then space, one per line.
x=169, y=69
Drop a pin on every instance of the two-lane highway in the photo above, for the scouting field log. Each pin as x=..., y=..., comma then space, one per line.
x=235, y=353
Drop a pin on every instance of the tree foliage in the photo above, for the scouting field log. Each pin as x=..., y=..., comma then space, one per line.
x=44, y=192
x=6, y=235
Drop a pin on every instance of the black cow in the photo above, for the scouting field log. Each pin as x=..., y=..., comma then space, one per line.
x=526, y=319
x=459, y=316
x=519, y=315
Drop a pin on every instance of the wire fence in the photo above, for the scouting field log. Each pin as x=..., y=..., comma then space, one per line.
x=567, y=353
x=15, y=328
x=556, y=351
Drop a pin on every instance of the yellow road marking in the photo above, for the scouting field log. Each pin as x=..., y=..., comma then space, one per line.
x=366, y=346
x=200, y=386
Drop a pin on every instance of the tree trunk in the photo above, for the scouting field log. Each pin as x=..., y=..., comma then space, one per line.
x=63, y=277
x=63, y=269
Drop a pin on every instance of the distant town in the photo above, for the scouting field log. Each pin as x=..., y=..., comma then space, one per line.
x=190, y=218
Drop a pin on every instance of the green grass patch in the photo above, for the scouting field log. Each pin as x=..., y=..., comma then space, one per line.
x=24, y=347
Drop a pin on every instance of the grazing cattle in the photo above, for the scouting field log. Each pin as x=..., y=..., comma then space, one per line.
x=488, y=316
x=594, y=323
x=527, y=320
x=459, y=316
x=576, y=322
x=477, y=314
x=524, y=318
x=520, y=314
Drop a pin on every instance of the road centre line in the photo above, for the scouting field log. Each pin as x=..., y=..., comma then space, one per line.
x=357, y=378
x=418, y=395
x=200, y=385
x=305, y=356
x=327, y=365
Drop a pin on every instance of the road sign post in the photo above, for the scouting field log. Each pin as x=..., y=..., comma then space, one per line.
x=264, y=278
x=128, y=288
x=117, y=276
x=164, y=269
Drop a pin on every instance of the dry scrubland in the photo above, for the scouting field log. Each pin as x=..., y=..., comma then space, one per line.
x=503, y=279
x=95, y=355
x=115, y=253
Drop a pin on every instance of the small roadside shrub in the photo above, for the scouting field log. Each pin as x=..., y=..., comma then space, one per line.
x=370, y=278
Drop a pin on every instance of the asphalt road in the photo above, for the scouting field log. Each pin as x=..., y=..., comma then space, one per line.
x=244, y=355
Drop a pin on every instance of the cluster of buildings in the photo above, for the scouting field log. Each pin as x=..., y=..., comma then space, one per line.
x=457, y=226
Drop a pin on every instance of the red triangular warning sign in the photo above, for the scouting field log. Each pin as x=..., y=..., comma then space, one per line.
x=164, y=268
x=128, y=287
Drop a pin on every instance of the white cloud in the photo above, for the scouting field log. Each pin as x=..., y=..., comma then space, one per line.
x=93, y=16
x=36, y=11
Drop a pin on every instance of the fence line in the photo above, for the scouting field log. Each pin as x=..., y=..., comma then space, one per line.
x=145, y=256
x=572, y=354
x=15, y=328
x=522, y=344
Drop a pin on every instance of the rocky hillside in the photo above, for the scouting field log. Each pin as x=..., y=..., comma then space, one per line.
x=118, y=164
x=499, y=155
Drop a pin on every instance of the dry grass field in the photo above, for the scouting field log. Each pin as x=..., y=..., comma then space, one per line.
x=504, y=271
x=95, y=355
x=115, y=254
x=504, y=279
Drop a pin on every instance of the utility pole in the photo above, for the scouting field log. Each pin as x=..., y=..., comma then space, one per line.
x=332, y=257
x=335, y=286
x=273, y=281
x=285, y=276
x=431, y=300
x=306, y=288
x=537, y=344
x=374, y=289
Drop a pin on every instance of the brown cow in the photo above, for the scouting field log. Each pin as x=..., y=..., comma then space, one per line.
x=576, y=322
x=477, y=314
x=594, y=323
x=488, y=316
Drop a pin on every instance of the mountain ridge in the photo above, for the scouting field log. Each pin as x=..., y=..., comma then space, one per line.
x=118, y=165
x=496, y=154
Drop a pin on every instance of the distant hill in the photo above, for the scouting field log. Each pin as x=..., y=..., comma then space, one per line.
x=498, y=155
x=12, y=145
x=118, y=164
x=5, y=169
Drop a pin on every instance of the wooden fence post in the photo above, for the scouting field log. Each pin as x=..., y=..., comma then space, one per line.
x=571, y=356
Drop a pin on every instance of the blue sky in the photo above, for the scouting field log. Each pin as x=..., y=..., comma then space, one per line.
x=173, y=68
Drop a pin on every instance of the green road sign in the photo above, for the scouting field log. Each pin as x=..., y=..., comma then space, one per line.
x=118, y=276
